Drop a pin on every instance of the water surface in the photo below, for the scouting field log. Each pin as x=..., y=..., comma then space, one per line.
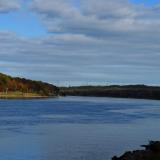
x=75, y=128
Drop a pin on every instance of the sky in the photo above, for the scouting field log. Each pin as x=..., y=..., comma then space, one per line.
x=81, y=42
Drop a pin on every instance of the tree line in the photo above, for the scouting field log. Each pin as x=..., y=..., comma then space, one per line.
x=128, y=91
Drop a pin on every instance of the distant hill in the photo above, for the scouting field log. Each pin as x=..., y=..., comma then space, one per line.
x=128, y=91
x=13, y=85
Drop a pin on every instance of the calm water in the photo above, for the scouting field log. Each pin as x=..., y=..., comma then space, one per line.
x=75, y=128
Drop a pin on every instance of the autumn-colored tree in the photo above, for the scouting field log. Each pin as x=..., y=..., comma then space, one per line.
x=8, y=83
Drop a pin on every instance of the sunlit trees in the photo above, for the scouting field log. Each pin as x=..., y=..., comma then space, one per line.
x=10, y=84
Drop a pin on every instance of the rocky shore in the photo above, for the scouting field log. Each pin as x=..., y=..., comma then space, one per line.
x=150, y=152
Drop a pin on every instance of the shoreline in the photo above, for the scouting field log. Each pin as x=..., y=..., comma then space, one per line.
x=49, y=97
x=19, y=95
x=132, y=98
x=27, y=98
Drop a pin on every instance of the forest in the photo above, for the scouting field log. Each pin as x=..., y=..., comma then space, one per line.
x=118, y=91
x=10, y=84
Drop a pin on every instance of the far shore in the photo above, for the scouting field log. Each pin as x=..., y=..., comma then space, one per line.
x=114, y=91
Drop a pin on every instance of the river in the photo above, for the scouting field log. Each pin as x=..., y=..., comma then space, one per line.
x=75, y=128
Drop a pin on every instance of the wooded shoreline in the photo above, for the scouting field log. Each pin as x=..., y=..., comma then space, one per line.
x=15, y=87
x=115, y=91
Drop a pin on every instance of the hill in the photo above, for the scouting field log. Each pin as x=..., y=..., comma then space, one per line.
x=21, y=87
x=128, y=91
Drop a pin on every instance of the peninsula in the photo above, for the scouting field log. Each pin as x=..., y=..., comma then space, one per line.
x=14, y=87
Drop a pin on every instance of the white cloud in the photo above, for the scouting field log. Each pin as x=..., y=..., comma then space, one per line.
x=97, y=17
x=77, y=59
x=9, y=5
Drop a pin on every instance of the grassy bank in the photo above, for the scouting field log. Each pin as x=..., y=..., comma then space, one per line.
x=20, y=95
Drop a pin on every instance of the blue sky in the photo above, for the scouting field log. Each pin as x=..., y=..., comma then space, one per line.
x=146, y=2
x=72, y=42
x=22, y=22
